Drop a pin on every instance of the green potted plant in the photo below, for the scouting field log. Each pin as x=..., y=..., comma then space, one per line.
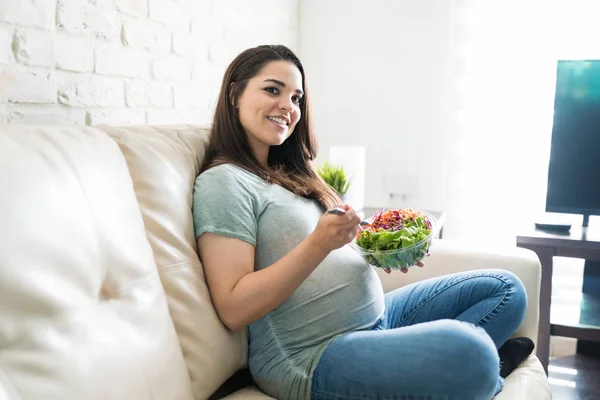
x=335, y=176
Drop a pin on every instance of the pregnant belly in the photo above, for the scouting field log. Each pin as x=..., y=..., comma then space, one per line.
x=336, y=298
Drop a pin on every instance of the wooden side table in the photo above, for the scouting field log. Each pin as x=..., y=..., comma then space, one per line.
x=580, y=242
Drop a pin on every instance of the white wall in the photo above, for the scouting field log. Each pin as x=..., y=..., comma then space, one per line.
x=455, y=94
x=377, y=75
x=127, y=61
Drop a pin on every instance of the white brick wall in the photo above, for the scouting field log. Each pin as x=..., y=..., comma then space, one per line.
x=38, y=13
x=34, y=48
x=6, y=39
x=123, y=62
x=73, y=53
x=90, y=91
x=27, y=85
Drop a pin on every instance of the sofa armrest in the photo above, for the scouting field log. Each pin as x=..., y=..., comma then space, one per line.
x=449, y=257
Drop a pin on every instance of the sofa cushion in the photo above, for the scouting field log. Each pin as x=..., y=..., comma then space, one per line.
x=527, y=382
x=164, y=162
x=82, y=311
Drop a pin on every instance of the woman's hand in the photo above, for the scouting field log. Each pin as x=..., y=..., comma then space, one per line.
x=405, y=270
x=334, y=231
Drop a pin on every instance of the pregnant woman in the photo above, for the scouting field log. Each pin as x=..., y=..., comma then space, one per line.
x=320, y=326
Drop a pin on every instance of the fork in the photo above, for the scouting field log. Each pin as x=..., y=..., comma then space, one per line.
x=341, y=211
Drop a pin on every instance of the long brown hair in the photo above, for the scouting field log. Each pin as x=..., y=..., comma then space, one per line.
x=290, y=164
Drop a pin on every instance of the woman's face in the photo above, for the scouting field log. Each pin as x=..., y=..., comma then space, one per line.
x=269, y=106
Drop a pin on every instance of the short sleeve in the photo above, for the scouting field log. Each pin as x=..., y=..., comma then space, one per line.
x=224, y=205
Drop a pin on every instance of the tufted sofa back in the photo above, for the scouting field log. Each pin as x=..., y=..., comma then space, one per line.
x=102, y=294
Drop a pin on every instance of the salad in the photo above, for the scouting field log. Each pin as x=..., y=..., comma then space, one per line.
x=397, y=238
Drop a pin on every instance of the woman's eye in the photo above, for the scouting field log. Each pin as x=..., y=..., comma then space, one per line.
x=296, y=99
x=272, y=90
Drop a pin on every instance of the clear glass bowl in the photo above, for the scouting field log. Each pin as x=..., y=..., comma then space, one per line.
x=405, y=257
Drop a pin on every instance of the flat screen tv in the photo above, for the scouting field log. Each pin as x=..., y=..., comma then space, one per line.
x=574, y=167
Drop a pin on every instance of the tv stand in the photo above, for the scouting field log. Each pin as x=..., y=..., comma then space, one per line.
x=586, y=220
x=581, y=242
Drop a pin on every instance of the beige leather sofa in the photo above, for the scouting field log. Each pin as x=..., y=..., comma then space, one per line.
x=102, y=294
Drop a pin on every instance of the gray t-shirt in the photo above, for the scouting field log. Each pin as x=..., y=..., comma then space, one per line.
x=343, y=294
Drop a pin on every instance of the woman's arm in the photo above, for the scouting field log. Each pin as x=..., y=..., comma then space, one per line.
x=242, y=295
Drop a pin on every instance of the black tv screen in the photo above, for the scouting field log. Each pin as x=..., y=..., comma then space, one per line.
x=574, y=168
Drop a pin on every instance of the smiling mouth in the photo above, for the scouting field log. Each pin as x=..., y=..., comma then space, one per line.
x=279, y=121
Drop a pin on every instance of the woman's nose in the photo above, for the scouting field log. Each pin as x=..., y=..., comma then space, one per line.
x=287, y=105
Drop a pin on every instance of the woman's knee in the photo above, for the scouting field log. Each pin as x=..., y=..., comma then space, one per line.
x=471, y=341
x=516, y=292
x=480, y=366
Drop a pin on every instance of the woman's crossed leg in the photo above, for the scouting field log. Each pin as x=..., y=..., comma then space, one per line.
x=438, y=339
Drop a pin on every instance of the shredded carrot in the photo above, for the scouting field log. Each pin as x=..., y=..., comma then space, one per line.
x=390, y=219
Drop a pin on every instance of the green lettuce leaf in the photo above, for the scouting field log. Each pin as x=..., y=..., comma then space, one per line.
x=383, y=240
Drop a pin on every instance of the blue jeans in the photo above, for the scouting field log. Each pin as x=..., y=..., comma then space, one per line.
x=437, y=339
